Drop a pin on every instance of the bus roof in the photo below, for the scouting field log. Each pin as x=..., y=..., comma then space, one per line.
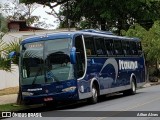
x=71, y=34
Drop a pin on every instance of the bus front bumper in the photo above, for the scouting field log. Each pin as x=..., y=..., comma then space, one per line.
x=58, y=97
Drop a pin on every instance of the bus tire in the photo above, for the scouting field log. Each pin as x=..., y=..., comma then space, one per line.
x=131, y=91
x=94, y=98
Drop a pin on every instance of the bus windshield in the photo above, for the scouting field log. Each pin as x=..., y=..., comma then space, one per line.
x=46, y=62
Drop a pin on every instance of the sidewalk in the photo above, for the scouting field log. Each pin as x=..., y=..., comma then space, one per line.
x=6, y=99
x=12, y=98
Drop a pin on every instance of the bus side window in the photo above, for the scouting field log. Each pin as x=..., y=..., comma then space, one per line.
x=100, y=48
x=109, y=47
x=117, y=47
x=133, y=48
x=89, y=43
x=125, y=47
x=88, y=51
x=139, y=47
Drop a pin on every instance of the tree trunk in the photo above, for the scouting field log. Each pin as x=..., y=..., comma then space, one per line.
x=103, y=24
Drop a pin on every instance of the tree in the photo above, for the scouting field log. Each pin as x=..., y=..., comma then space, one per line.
x=4, y=61
x=107, y=14
x=3, y=23
x=16, y=11
x=5, y=49
x=150, y=42
x=15, y=46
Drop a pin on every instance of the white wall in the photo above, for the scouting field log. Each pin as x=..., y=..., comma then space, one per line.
x=9, y=79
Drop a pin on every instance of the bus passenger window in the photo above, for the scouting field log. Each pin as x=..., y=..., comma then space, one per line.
x=100, y=52
x=109, y=46
x=133, y=48
x=118, y=47
x=89, y=43
x=88, y=51
x=100, y=48
x=139, y=47
x=125, y=47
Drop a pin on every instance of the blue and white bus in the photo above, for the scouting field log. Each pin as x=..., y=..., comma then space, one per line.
x=78, y=65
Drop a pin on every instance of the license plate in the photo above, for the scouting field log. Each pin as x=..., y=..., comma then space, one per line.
x=48, y=99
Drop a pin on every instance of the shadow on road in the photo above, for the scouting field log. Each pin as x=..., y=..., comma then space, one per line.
x=74, y=105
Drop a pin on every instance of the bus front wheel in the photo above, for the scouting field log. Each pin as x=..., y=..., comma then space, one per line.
x=94, y=97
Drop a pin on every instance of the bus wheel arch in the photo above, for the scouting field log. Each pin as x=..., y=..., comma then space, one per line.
x=95, y=91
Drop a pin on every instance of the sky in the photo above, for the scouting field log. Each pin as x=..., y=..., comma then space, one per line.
x=40, y=11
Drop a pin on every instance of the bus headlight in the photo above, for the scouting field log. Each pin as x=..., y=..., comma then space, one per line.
x=27, y=93
x=69, y=89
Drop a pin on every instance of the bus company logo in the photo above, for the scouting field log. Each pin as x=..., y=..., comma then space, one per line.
x=36, y=89
x=112, y=62
x=128, y=65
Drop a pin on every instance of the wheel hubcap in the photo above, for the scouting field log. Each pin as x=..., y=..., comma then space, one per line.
x=133, y=86
x=94, y=93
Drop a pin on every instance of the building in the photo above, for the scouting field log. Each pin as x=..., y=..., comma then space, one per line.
x=20, y=25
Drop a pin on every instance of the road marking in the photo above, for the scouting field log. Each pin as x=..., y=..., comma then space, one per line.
x=130, y=108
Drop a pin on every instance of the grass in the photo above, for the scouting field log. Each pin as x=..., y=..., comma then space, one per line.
x=14, y=107
x=7, y=91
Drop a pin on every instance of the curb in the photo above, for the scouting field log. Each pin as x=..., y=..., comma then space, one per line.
x=148, y=84
x=156, y=83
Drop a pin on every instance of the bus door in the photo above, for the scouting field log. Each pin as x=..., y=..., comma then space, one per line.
x=80, y=57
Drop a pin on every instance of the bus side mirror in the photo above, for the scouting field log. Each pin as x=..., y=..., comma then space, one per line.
x=13, y=54
x=73, y=55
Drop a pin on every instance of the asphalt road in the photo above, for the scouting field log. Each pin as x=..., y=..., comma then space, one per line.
x=147, y=100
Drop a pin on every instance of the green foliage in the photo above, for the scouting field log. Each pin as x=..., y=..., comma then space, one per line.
x=106, y=14
x=3, y=24
x=13, y=46
x=5, y=49
x=2, y=44
x=4, y=61
x=150, y=41
x=5, y=64
x=136, y=30
x=84, y=25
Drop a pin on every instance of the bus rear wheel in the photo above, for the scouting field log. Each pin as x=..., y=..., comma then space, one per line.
x=131, y=91
x=94, y=97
